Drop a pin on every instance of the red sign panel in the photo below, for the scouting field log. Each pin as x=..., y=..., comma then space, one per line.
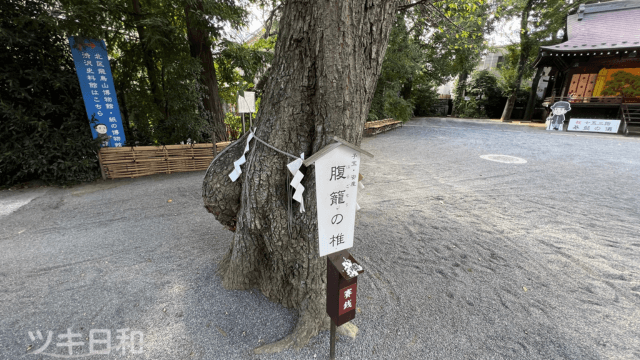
x=347, y=299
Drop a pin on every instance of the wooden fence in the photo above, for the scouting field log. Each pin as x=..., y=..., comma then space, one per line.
x=131, y=162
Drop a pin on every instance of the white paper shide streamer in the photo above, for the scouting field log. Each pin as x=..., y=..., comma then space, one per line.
x=350, y=268
x=362, y=187
x=235, y=174
x=294, y=168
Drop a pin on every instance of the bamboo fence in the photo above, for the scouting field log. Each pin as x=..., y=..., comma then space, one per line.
x=135, y=161
x=375, y=127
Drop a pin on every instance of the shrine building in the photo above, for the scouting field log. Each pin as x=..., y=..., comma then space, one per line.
x=597, y=69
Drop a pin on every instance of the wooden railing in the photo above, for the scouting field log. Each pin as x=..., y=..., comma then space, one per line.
x=630, y=116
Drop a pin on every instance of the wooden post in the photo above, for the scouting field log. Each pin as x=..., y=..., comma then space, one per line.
x=332, y=340
x=565, y=86
x=104, y=176
x=533, y=96
x=215, y=146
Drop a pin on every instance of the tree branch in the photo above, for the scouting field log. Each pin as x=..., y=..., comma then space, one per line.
x=269, y=22
x=444, y=16
x=409, y=6
x=424, y=4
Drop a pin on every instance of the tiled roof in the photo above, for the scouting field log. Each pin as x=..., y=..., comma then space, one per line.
x=612, y=27
x=608, y=6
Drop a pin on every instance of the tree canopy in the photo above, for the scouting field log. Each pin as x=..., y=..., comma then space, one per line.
x=163, y=55
x=430, y=42
x=155, y=49
x=540, y=24
x=175, y=65
x=43, y=124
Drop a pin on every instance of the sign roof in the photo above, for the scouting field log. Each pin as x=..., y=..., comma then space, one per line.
x=327, y=149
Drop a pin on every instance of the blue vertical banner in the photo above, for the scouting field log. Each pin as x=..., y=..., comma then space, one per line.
x=94, y=73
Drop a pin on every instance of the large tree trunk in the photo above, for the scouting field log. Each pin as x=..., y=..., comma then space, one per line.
x=327, y=61
x=147, y=56
x=460, y=92
x=200, y=47
x=525, y=47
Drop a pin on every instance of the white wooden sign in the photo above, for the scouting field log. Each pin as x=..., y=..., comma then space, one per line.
x=247, y=103
x=594, y=125
x=336, y=194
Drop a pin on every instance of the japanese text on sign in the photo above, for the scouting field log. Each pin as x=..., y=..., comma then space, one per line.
x=336, y=192
x=96, y=83
x=594, y=125
x=347, y=299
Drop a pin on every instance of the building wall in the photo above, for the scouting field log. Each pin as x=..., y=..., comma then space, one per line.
x=489, y=62
x=602, y=68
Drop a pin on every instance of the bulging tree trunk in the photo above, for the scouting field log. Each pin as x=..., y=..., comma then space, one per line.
x=327, y=61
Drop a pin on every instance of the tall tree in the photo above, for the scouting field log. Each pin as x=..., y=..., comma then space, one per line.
x=457, y=44
x=323, y=76
x=402, y=62
x=429, y=43
x=162, y=60
x=327, y=59
x=201, y=32
x=525, y=48
x=147, y=55
x=540, y=22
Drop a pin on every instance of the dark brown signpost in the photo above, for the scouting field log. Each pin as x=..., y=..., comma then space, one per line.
x=341, y=289
x=337, y=176
x=341, y=293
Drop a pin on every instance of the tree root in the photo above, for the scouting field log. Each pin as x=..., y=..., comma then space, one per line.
x=307, y=327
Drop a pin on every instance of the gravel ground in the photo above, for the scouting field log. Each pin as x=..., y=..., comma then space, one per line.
x=464, y=258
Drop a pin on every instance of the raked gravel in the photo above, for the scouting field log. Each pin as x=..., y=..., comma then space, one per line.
x=464, y=258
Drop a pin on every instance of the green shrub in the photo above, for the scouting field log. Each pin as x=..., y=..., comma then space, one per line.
x=485, y=97
x=397, y=108
x=234, y=125
x=425, y=98
x=43, y=123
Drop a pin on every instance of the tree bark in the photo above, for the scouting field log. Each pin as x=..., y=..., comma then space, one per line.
x=524, y=52
x=528, y=114
x=323, y=77
x=200, y=48
x=147, y=57
x=405, y=91
x=460, y=92
x=124, y=111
